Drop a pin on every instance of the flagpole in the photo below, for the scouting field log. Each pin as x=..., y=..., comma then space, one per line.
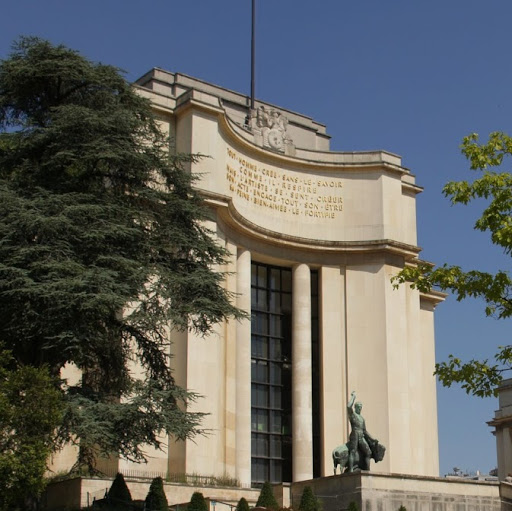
x=252, y=52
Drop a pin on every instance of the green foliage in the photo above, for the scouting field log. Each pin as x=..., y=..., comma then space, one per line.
x=30, y=410
x=119, y=495
x=353, y=507
x=309, y=501
x=479, y=378
x=266, y=497
x=100, y=231
x=156, y=499
x=242, y=505
x=197, y=502
x=402, y=508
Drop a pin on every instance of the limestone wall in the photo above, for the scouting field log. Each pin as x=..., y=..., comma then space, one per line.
x=80, y=492
x=503, y=429
x=506, y=496
x=387, y=492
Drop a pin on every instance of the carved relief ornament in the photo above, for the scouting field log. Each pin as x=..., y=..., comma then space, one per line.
x=270, y=129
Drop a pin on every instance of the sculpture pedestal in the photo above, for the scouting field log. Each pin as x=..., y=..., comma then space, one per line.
x=373, y=491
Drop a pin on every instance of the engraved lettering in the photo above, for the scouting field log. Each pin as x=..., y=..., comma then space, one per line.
x=283, y=191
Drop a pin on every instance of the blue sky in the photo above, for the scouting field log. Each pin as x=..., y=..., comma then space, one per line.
x=406, y=76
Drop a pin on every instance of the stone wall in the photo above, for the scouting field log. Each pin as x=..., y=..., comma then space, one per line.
x=503, y=429
x=370, y=491
x=387, y=492
x=80, y=492
x=506, y=496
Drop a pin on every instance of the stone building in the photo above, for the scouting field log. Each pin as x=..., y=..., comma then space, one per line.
x=502, y=424
x=315, y=237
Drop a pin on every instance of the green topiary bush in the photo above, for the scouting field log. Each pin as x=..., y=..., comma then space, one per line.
x=119, y=496
x=197, y=502
x=308, y=501
x=353, y=507
x=156, y=499
x=266, y=498
x=242, y=505
x=402, y=508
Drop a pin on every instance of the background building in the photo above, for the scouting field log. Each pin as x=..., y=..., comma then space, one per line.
x=502, y=423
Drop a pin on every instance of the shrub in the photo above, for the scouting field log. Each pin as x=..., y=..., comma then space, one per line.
x=402, y=508
x=156, y=499
x=353, y=507
x=266, y=498
x=242, y=505
x=119, y=495
x=308, y=501
x=197, y=502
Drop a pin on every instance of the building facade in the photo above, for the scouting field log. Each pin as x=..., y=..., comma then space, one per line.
x=315, y=237
x=502, y=424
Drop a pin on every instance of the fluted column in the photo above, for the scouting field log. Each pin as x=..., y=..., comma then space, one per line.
x=243, y=369
x=302, y=426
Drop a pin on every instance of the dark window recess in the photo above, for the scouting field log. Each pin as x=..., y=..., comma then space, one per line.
x=271, y=347
x=315, y=374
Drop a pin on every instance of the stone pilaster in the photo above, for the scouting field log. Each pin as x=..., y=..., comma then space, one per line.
x=302, y=428
x=243, y=370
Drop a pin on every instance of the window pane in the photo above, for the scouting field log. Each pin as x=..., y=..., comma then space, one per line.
x=275, y=302
x=259, y=347
x=275, y=446
x=262, y=448
x=260, y=470
x=262, y=299
x=286, y=425
x=259, y=420
x=275, y=373
x=286, y=303
x=275, y=349
x=259, y=371
x=263, y=372
x=260, y=444
x=254, y=275
x=262, y=324
x=275, y=471
x=262, y=276
x=275, y=397
x=275, y=426
x=263, y=420
x=286, y=281
x=260, y=395
x=275, y=325
x=275, y=279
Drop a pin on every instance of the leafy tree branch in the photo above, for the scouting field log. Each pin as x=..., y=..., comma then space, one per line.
x=494, y=186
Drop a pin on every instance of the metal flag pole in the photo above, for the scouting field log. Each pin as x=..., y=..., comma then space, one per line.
x=252, y=52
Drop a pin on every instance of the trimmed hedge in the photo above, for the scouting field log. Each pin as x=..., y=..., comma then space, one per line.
x=156, y=499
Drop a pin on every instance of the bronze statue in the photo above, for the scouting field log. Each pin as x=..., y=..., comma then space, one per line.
x=361, y=446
